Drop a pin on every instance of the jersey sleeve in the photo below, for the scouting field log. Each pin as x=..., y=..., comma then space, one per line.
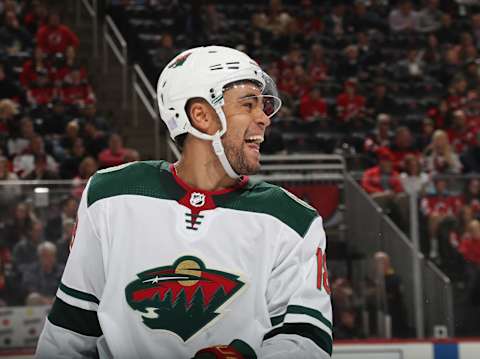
x=72, y=328
x=298, y=298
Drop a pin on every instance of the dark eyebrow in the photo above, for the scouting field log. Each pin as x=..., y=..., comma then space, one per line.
x=251, y=95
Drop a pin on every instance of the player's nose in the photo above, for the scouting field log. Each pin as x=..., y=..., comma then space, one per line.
x=262, y=119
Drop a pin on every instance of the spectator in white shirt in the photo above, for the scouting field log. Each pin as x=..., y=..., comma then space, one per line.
x=403, y=18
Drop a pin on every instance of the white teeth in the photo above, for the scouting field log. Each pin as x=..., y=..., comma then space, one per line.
x=256, y=139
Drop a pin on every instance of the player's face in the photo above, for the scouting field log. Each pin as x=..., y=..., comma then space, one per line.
x=246, y=124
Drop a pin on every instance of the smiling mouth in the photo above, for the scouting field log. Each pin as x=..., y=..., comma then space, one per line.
x=258, y=139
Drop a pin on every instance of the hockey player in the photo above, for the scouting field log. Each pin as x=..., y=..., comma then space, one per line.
x=194, y=259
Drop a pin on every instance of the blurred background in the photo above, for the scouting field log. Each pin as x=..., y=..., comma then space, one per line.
x=379, y=130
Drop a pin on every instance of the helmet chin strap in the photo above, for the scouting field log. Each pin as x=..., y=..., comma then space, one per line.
x=220, y=152
x=217, y=142
x=218, y=146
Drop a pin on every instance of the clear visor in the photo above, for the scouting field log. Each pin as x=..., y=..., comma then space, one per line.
x=268, y=101
x=269, y=104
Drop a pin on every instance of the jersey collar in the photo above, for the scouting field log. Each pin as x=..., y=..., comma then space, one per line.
x=243, y=181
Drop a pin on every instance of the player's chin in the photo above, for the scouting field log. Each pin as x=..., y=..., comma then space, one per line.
x=252, y=163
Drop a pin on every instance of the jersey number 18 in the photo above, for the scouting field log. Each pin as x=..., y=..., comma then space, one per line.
x=322, y=274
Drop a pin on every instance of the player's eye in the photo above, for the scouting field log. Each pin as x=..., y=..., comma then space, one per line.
x=248, y=105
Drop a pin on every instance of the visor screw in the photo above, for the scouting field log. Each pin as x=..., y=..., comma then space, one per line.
x=211, y=90
x=176, y=115
x=213, y=96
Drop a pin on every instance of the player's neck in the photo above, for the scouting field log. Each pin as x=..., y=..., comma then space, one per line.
x=200, y=168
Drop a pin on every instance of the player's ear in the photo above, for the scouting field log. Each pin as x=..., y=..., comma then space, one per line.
x=202, y=116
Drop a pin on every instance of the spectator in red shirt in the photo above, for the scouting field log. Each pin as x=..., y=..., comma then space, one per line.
x=69, y=65
x=470, y=243
x=75, y=90
x=312, y=106
x=351, y=107
x=472, y=195
x=382, y=179
x=288, y=82
x=317, y=66
x=459, y=134
x=309, y=24
x=114, y=155
x=41, y=92
x=293, y=58
x=439, y=114
x=55, y=37
x=304, y=82
x=34, y=65
x=457, y=93
x=383, y=184
x=381, y=136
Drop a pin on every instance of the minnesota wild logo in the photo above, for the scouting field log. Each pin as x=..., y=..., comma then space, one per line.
x=179, y=60
x=181, y=298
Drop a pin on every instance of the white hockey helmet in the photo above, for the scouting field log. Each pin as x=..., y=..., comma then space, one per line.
x=204, y=72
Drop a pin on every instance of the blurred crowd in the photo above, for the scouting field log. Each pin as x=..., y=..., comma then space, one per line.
x=340, y=66
x=50, y=129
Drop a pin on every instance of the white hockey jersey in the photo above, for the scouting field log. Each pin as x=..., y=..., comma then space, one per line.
x=161, y=270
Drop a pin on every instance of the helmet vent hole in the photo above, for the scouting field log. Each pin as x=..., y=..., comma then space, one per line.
x=212, y=52
x=164, y=83
x=233, y=67
x=232, y=63
x=161, y=97
x=171, y=109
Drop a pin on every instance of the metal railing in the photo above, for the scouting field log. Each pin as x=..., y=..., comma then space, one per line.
x=113, y=38
x=439, y=292
x=423, y=282
x=304, y=167
x=144, y=90
x=91, y=6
